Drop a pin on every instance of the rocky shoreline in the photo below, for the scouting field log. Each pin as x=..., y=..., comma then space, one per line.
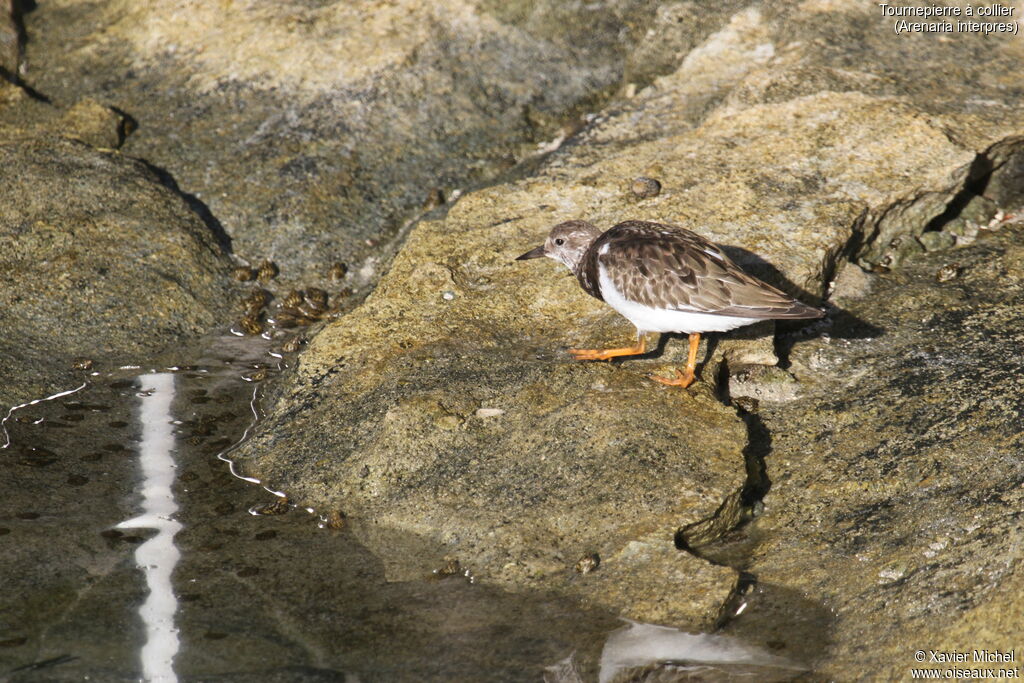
x=850, y=486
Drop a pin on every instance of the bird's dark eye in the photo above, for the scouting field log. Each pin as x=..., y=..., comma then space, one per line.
x=560, y=241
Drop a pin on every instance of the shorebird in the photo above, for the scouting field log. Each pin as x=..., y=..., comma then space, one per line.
x=663, y=278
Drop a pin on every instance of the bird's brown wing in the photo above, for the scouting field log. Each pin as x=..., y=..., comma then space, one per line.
x=669, y=267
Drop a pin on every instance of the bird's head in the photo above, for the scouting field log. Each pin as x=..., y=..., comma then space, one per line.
x=567, y=243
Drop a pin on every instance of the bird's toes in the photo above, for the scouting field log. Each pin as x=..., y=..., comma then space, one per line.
x=682, y=379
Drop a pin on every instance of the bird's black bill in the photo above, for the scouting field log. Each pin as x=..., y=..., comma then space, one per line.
x=533, y=253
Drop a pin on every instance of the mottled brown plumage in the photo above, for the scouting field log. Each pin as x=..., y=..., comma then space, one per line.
x=664, y=266
x=664, y=278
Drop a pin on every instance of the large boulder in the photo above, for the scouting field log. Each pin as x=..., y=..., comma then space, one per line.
x=315, y=130
x=440, y=408
x=99, y=261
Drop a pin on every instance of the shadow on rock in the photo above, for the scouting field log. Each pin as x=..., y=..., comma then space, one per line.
x=781, y=619
x=722, y=538
x=840, y=324
x=197, y=205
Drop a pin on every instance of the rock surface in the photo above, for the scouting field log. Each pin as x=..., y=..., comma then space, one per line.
x=443, y=411
x=767, y=139
x=898, y=476
x=437, y=409
x=316, y=141
x=98, y=259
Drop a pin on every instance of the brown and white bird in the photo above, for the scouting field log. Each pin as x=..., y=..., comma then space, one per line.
x=664, y=278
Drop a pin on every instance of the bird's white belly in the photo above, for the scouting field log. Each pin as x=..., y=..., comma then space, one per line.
x=649, y=319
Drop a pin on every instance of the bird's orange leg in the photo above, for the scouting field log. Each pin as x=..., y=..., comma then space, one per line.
x=604, y=354
x=684, y=379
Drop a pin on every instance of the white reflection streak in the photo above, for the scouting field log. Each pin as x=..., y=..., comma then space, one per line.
x=3, y=422
x=639, y=645
x=158, y=556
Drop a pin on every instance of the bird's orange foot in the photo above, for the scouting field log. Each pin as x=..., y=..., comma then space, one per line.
x=598, y=354
x=605, y=354
x=682, y=379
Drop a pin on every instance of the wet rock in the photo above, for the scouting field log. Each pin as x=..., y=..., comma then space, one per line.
x=582, y=458
x=337, y=138
x=897, y=475
x=98, y=260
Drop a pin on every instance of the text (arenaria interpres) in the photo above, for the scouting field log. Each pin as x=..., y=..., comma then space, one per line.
x=984, y=18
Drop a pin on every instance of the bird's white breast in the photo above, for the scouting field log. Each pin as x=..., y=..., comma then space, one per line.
x=650, y=319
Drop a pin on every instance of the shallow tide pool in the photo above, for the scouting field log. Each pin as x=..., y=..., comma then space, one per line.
x=130, y=551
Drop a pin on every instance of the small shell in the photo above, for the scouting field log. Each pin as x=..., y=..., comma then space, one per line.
x=289, y=317
x=645, y=188
x=338, y=271
x=311, y=312
x=292, y=299
x=588, y=563
x=267, y=270
x=253, y=310
x=293, y=344
x=950, y=271
x=339, y=301
x=278, y=506
x=82, y=364
x=255, y=376
x=315, y=297
x=251, y=325
x=435, y=198
x=336, y=520
x=258, y=297
x=451, y=567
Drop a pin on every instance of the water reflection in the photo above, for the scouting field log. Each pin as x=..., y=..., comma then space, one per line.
x=258, y=598
x=158, y=556
x=10, y=412
x=646, y=652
